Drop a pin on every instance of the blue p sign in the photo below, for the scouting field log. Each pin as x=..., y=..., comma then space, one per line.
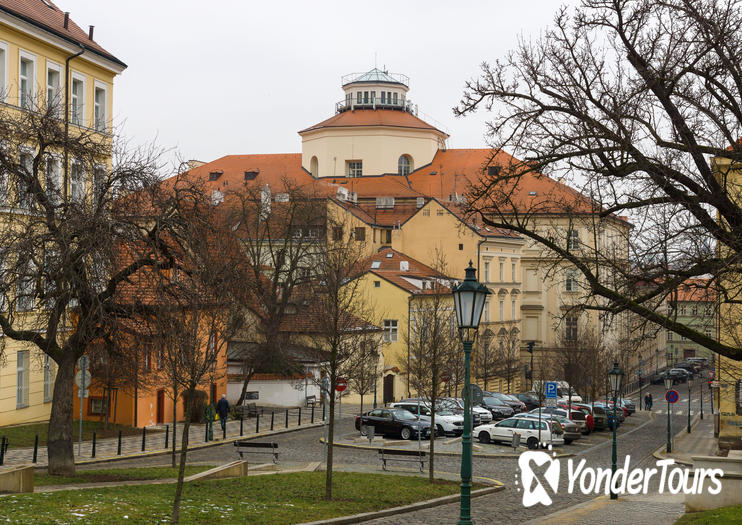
x=551, y=390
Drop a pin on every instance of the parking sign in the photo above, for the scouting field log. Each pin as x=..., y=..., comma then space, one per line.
x=551, y=390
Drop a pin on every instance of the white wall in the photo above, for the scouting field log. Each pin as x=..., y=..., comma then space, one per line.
x=282, y=393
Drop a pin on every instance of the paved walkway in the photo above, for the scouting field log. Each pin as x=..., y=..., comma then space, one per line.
x=700, y=442
x=105, y=449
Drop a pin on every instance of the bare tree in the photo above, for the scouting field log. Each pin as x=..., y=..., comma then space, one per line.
x=508, y=355
x=346, y=320
x=71, y=212
x=635, y=103
x=362, y=368
x=433, y=344
x=485, y=357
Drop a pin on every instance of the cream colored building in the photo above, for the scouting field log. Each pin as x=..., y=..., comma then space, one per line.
x=45, y=57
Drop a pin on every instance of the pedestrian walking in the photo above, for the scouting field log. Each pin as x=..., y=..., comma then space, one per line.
x=648, y=401
x=222, y=408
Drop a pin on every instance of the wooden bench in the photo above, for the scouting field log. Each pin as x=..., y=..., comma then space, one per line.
x=415, y=456
x=311, y=401
x=245, y=447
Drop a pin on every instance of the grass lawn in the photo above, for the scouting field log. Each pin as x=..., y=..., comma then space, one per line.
x=270, y=499
x=117, y=474
x=23, y=435
x=717, y=516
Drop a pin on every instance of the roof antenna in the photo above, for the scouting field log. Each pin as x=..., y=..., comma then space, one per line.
x=374, y=59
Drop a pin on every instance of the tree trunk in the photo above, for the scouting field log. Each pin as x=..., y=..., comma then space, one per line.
x=175, y=419
x=431, y=462
x=183, y=454
x=361, y=404
x=248, y=377
x=330, y=441
x=59, y=443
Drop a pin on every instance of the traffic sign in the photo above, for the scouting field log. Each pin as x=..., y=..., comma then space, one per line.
x=341, y=384
x=672, y=396
x=477, y=395
x=83, y=393
x=445, y=377
x=78, y=379
x=551, y=390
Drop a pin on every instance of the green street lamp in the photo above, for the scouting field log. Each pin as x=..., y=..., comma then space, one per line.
x=614, y=375
x=639, y=375
x=668, y=385
x=468, y=299
x=690, y=384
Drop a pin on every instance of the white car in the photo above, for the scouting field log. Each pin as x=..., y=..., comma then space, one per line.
x=445, y=422
x=484, y=414
x=528, y=429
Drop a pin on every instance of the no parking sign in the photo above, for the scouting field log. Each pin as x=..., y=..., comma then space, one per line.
x=672, y=396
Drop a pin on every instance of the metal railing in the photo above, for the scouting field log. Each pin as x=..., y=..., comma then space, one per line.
x=354, y=77
x=352, y=103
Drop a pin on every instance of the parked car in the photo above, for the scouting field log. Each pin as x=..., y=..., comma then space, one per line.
x=516, y=404
x=393, y=421
x=678, y=375
x=530, y=399
x=498, y=408
x=503, y=431
x=703, y=361
x=600, y=418
x=446, y=423
x=608, y=407
x=484, y=414
x=448, y=404
x=563, y=394
x=581, y=423
x=691, y=368
x=571, y=430
x=521, y=405
x=628, y=404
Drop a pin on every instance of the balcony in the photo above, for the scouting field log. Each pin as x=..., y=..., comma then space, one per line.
x=401, y=105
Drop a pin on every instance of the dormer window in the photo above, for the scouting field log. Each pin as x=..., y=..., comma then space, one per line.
x=250, y=175
x=214, y=175
x=404, y=165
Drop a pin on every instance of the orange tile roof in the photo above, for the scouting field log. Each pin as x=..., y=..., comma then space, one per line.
x=389, y=268
x=375, y=186
x=373, y=117
x=389, y=217
x=45, y=15
x=694, y=290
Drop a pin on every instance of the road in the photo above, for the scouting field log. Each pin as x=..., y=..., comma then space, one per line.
x=638, y=438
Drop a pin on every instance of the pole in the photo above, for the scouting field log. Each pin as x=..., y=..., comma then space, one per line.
x=614, y=452
x=689, y=406
x=299, y=418
x=701, y=401
x=167, y=436
x=93, y=454
x=466, y=464
x=340, y=415
x=640, y=393
x=272, y=417
x=287, y=418
x=257, y=423
x=119, y=447
x=376, y=382
x=2, y=450
x=669, y=443
x=241, y=425
x=35, y=448
x=144, y=438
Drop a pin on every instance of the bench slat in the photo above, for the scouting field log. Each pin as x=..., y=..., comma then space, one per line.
x=252, y=444
x=416, y=453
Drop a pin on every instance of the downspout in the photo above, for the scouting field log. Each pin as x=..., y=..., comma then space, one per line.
x=409, y=313
x=67, y=120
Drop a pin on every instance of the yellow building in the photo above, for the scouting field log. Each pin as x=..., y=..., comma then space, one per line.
x=45, y=58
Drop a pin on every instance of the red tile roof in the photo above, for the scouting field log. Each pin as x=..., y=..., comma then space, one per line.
x=375, y=186
x=694, y=290
x=47, y=16
x=373, y=117
x=389, y=268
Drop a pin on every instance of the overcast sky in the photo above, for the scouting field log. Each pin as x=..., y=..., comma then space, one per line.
x=229, y=77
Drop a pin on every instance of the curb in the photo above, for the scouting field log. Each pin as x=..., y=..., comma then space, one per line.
x=420, y=505
x=452, y=454
x=191, y=448
x=660, y=456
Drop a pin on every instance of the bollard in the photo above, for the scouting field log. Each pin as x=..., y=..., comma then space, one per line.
x=240, y=425
x=93, y=454
x=312, y=413
x=144, y=438
x=2, y=450
x=35, y=448
x=299, y=423
x=257, y=423
x=206, y=432
x=224, y=431
x=167, y=436
x=119, y=449
x=287, y=418
x=272, y=414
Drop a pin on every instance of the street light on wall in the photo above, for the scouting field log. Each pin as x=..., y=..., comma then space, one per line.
x=615, y=375
x=468, y=298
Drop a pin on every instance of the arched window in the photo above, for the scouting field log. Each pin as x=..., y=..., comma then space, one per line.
x=404, y=165
x=314, y=167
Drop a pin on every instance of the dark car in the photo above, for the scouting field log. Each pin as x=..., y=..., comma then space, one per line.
x=392, y=421
x=529, y=399
x=678, y=375
x=499, y=409
x=515, y=404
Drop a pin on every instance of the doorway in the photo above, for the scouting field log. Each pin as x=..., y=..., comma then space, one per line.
x=389, y=389
x=160, y=407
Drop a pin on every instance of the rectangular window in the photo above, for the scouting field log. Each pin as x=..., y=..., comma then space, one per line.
x=159, y=358
x=707, y=311
x=390, y=330
x=99, y=184
x=694, y=310
x=77, y=101
x=512, y=310
x=571, y=281
x=426, y=212
x=395, y=98
x=25, y=287
x=383, y=97
x=54, y=180
x=26, y=80
x=501, y=315
x=360, y=234
x=377, y=284
x=486, y=276
x=50, y=373
x=365, y=97
x=25, y=161
x=708, y=332
x=359, y=98
x=373, y=97
x=573, y=240
x=100, y=108
x=669, y=335
x=570, y=326
x=682, y=310
x=54, y=100
x=513, y=273
x=337, y=233
x=3, y=71
x=502, y=272
x=22, y=368
x=77, y=183
x=97, y=406
x=355, y=168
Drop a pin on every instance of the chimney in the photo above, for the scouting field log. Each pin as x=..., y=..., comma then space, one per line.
x=66, y=19
x=90, y=32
